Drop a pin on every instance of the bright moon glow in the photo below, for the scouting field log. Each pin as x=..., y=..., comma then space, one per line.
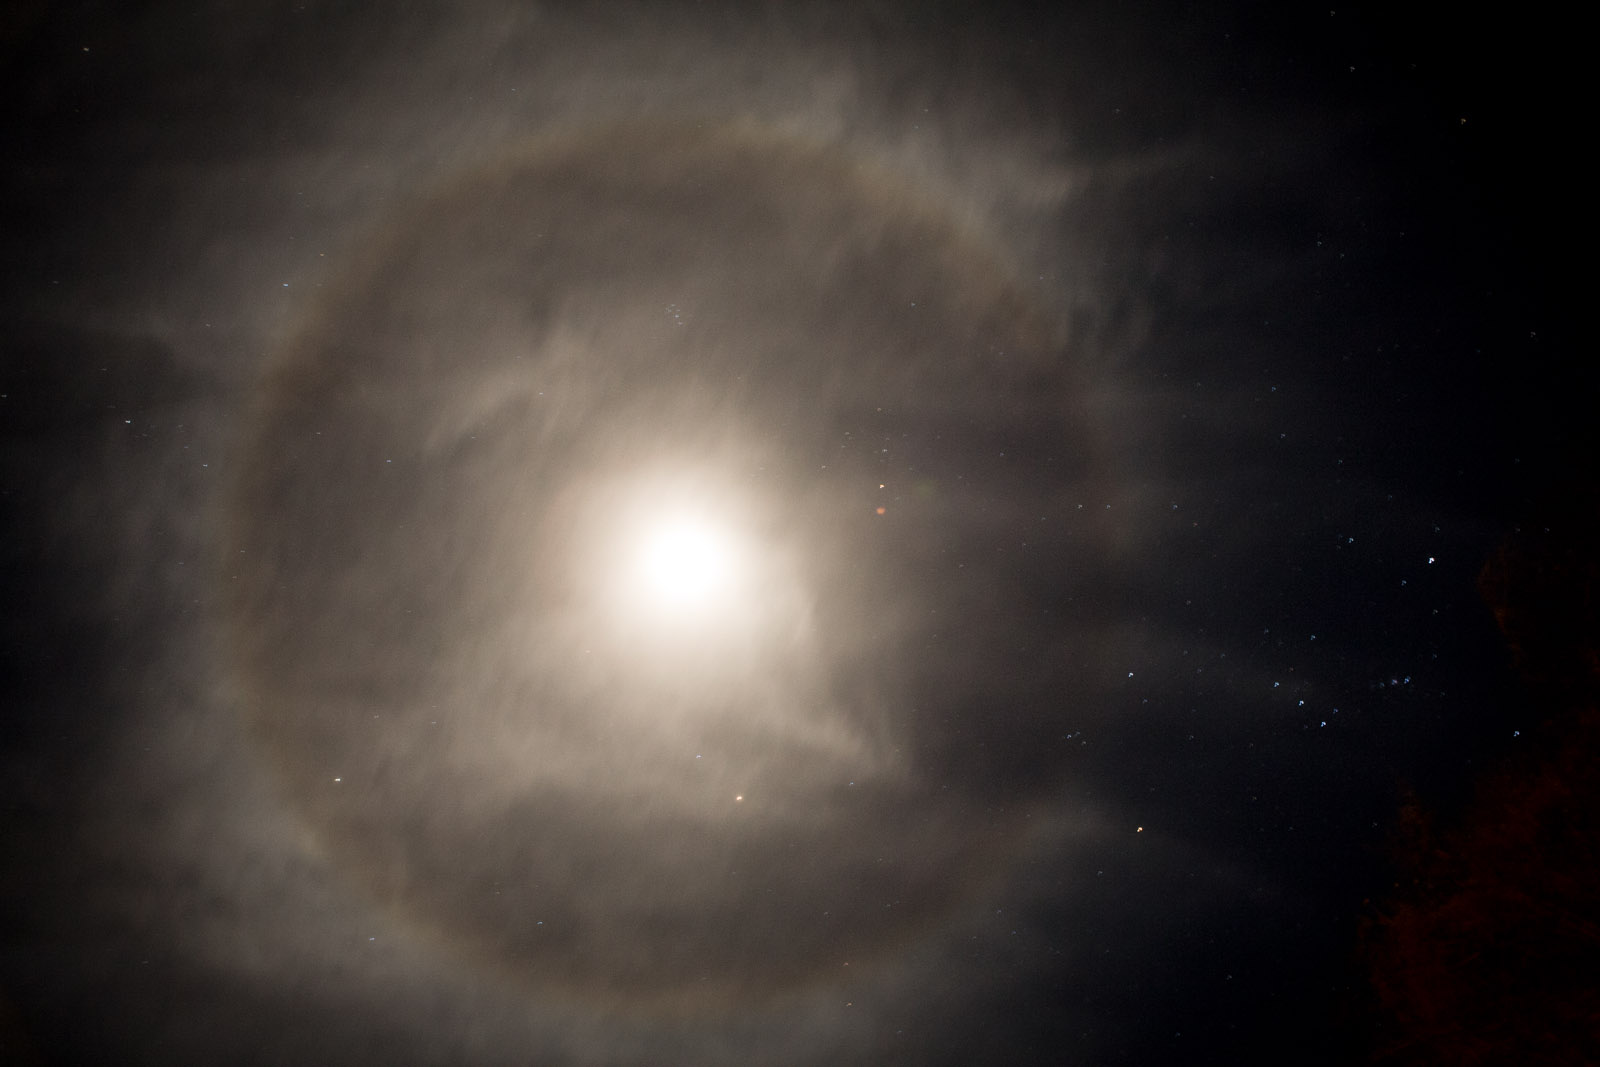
x=685, y=565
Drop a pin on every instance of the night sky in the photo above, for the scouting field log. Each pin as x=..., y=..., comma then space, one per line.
x=789, y=533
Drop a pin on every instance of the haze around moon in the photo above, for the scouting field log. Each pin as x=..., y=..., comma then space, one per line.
x=542, y=570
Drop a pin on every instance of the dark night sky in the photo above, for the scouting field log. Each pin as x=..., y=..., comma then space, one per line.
x=1098, y=414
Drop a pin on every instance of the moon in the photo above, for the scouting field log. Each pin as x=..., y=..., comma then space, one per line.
x=684, y=566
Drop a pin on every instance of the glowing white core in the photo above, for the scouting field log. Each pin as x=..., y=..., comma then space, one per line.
x=685, y=564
